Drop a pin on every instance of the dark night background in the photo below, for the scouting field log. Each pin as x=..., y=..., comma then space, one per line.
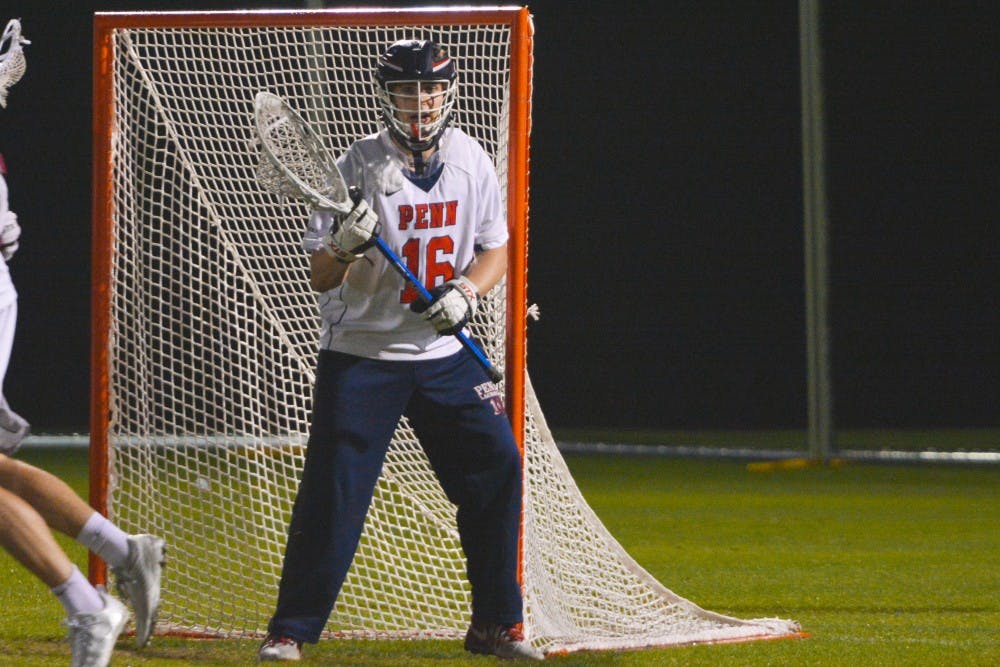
x=666, y=213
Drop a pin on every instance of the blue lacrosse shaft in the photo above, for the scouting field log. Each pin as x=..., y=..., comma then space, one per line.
x=393, y=258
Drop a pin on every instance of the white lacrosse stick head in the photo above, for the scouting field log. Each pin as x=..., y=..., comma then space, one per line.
x=12, y=63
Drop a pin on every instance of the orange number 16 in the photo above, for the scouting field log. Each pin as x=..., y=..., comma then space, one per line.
x=437, y=265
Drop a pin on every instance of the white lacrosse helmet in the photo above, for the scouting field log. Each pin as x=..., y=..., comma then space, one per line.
x=12, y=63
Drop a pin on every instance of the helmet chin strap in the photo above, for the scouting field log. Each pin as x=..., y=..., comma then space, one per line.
x=419, y=164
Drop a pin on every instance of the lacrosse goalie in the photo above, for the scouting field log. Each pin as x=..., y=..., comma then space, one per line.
x=430, y=193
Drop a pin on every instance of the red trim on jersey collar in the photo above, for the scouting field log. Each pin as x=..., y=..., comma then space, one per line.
x=3, y=165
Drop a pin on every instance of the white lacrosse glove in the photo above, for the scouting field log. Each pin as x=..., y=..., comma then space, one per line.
x=451, y=307
x=10, y=232
x=13, y=429
x=354, y=233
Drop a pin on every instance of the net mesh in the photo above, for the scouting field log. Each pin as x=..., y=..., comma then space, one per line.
x=213, y=341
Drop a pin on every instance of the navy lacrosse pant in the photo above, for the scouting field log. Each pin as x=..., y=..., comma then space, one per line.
x=469, y=443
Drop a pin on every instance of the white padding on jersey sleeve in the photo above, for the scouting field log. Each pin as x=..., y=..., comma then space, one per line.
x=320, y=224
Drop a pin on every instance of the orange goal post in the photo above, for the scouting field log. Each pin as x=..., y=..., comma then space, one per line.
x=204, y=336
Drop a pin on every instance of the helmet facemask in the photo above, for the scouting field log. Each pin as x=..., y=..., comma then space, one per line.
x=12, y=62
x=418, y=110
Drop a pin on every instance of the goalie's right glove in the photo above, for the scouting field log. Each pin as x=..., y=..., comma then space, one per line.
x=10, y=232
x=451, y=306
x=355, y=233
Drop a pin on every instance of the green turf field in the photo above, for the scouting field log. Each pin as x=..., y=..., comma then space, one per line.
x=882, y=565
x=912, y=440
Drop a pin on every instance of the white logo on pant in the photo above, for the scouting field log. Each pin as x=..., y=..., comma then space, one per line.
x=489, y=391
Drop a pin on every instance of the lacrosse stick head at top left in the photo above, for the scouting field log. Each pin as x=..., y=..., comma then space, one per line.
x=294, y=162
x=12, y=62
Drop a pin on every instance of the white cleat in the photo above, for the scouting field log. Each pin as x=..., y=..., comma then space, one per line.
x=138, y=581
x=280, y=649
x=506, y=642
x=92, y=636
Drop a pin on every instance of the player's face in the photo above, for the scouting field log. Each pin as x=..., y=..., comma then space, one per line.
x=418, y=103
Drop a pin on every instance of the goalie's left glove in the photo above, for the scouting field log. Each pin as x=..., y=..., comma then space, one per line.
x=451, y=307
x=10, y=232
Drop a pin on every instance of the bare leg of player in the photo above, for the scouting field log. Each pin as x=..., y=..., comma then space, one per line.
x=24, y=534
x=95, y=618
x=59, y=506
x=136, y=560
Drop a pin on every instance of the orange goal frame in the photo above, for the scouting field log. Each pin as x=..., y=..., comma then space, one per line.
x=105, y=23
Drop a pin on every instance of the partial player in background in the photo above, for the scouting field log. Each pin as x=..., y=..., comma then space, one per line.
x=13, y=427
x=432, y=194
x=34, y=502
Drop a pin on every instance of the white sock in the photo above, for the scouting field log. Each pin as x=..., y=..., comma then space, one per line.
x=77, y=595
x=105, y=539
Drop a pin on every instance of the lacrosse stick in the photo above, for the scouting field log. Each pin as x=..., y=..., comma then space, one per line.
x=294, y=163
x=12, y=63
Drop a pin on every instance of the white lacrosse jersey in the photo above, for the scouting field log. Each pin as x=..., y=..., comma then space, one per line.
x=435, y=225
x=7, y=292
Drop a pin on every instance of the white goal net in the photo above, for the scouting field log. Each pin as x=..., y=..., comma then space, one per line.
x=206, y=334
